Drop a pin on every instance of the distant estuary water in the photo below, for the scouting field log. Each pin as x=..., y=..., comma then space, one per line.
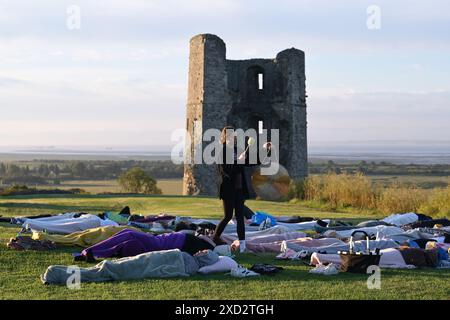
x=398, y=152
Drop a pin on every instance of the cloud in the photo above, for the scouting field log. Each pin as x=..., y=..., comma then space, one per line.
x=8, y=81
x=379, y=116
x=124, y=73
x=326, y=24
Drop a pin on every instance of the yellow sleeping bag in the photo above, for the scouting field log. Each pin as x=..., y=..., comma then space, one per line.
x=85, y=238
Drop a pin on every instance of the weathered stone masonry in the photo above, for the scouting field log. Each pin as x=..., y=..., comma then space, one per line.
x=228, y=92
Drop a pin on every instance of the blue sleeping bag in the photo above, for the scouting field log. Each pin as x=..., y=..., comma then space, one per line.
x=259, y=217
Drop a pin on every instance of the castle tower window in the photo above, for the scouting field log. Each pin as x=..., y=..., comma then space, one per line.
x=260, y=127
x=260, y=81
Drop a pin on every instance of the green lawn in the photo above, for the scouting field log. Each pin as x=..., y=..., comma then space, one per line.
x=167, y=186
x=19, y=271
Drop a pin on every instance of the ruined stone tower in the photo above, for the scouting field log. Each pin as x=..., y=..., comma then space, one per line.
x=244, y=93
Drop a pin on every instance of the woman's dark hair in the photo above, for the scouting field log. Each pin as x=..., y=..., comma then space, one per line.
x=223, y=135
x=182, y=225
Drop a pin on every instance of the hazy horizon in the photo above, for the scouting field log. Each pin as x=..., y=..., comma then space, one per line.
x=311, y=143
x=398, y=152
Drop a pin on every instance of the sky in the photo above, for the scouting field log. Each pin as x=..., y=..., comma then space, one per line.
x=121, y=77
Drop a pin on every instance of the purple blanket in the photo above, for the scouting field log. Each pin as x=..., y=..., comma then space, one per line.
x=129, y=243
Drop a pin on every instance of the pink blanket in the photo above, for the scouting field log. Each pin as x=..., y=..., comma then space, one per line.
x=272, y=243
x=268, y=243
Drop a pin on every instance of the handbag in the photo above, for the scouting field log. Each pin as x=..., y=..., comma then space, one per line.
x=358, y=262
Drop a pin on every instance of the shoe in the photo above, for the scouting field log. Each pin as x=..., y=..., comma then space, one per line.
x=90, y=257
x=283, y=247
x=78, y=257
x=266, y=269
x=286, y=253
x=241, y=272
x=262, y=226
x=300, y=255
x=290, y=254
x=266, y=224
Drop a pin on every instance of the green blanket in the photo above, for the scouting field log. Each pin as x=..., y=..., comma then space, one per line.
x=158, y=264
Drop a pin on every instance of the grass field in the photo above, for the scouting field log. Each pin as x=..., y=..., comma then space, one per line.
x=19, y=271
x=425, y=182
x=167, y=186
x=174, y=186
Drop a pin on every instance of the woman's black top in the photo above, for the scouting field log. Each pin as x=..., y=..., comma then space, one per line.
x=232, y=176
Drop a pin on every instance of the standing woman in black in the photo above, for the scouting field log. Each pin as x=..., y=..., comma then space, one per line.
x=233, y=188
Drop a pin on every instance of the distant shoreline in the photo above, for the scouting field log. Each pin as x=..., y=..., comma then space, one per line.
x=340, y=157
x=393, y=151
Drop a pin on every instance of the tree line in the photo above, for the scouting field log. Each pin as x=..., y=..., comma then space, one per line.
x=378, y=168
x=55, y=171
x=37, y=172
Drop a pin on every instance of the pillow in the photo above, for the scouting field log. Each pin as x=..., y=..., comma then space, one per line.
x=225, y=264
x=223, y=250
x=206, y=258
x=190, y=263
x=108, y=222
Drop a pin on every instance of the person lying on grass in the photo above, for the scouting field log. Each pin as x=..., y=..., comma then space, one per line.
x=129, y=243
x=160, y=264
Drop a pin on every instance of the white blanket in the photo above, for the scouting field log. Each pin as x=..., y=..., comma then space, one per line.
x=390, y=258
x=66, y=223
x=401, y=219
x=250, y=231
x=382, y=231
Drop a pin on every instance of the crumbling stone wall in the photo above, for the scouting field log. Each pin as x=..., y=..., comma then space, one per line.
x=226, y=92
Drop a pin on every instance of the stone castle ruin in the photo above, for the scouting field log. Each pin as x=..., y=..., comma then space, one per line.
x=244, y=94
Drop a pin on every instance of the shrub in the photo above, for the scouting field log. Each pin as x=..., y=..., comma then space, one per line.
x=333, y=191
x=313, y=187
x=348, y=190
x=21, y=190
x=296, y=189
x=340, y=190
x=438, y=203
x=397, y=199
x=137, y=180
